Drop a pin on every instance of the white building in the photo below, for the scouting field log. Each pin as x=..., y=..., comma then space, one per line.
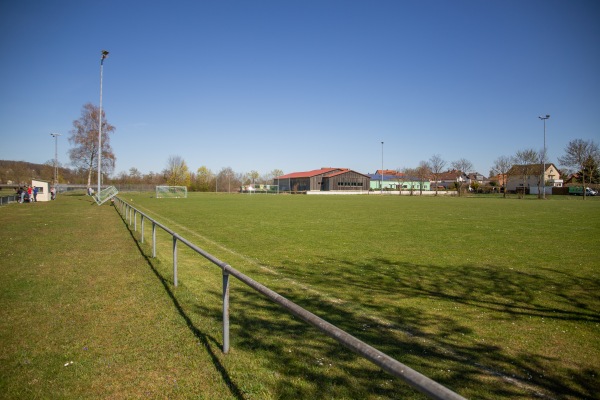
x=43, y=190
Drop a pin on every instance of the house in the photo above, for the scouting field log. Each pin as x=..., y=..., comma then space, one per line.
x=450, y=178
x=476, y=177
x=499, y=179
x=324, y=179
x=527, y=176
x=390, y=172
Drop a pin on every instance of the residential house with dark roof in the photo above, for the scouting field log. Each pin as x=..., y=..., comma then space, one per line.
x=450, y=178
x=527, y=176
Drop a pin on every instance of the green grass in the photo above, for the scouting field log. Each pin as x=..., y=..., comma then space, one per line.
x=494, y=298
x=74, y=287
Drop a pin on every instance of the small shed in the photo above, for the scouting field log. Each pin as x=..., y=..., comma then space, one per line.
x=43, y=189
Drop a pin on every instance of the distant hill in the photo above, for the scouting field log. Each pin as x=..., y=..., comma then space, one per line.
x=15, y=172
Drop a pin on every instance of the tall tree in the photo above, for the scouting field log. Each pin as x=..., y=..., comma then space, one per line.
x=591, y=169
x=577, y=153
x=253, y=175
x=437, y=165
x=463, y=166
x=177, y=172
x=227, y=179
x=204, y=179
x=502, y=167
x=84, y=138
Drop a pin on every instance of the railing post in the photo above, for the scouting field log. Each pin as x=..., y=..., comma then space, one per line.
x=153, y=239
x=135, y=220
x=142, y=217
x=174, y=261
x=225, y=310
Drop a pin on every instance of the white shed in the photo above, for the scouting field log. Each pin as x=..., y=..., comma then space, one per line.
x=43, y=190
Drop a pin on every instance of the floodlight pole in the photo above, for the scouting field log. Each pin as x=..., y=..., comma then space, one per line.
x=381, y=168
x=55, y=136
x=544, y=118
x=103, y=55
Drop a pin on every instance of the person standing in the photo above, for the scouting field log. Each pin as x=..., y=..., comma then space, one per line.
x=30, y=193
x=35, y=190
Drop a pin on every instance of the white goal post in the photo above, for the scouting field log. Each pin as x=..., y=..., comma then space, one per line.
x=105, y=194
x=171, y=192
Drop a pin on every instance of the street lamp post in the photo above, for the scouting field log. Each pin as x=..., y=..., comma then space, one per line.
x=55, y=136
x=104, y=55
x=544, y=118
x=381, y=167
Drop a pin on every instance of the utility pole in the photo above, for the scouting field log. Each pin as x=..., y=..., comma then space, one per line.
x=103, y=56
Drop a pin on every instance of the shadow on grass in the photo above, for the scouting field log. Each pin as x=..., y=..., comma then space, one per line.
x=310, y=365
x=202, y=337
x=505, y=295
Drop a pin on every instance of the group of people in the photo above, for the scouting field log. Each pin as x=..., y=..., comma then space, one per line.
x=29, y=193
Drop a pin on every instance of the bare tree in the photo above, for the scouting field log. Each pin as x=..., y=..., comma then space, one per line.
x=437, y=165
x=135, y=176
x=226, y=179
x=254, y=175
x=401, y=178
x=579, y=152
x=269, y=176
x=503, y=167
x=526, y=161
x=84, y=137
x=463, y=166
x=424, y=174
x=409, y=175
x=177, y=172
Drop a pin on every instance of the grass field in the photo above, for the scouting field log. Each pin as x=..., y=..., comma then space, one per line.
x=494, y=298
x=488, y=296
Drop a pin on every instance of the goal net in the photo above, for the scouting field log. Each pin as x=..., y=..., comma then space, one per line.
x=105, y=194
x=171, y=192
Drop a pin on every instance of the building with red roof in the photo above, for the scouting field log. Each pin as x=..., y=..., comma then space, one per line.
x=324, y=179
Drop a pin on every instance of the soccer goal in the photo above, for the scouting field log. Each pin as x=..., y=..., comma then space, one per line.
x=171, y=192
x=105, y=194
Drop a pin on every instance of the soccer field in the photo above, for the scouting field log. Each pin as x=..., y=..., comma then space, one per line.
x=491, y=297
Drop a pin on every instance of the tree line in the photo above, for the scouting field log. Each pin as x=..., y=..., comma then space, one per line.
x=581, y=158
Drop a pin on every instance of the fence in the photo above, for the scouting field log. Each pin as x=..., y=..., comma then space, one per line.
x=413, y=378
x=8, y=199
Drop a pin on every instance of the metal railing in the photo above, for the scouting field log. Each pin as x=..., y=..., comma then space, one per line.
x=413, y=378
x=8, y=199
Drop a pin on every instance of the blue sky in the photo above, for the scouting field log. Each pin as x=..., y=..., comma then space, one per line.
x=298, y=85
